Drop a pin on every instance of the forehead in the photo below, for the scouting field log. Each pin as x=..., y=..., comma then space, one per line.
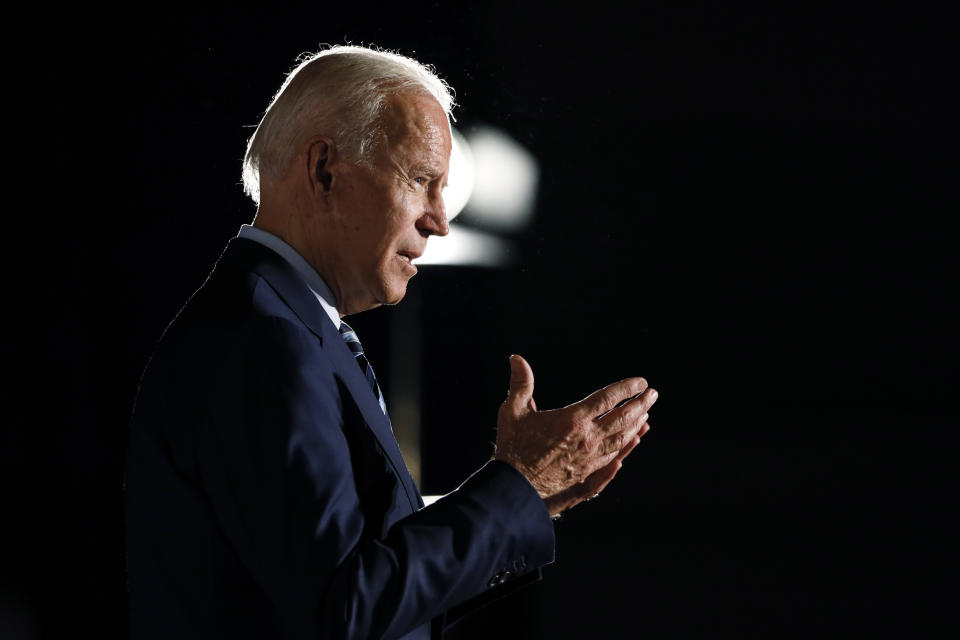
x=416, y=124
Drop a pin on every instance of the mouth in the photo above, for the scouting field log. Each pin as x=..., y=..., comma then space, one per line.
x=406, y=259
x=409, y=256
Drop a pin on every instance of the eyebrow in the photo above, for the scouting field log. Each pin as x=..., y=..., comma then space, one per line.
x=425, y=169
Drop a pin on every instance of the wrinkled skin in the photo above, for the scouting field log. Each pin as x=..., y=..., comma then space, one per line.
x=570, y=455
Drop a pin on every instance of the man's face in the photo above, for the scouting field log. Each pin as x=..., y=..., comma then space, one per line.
x=385, y=213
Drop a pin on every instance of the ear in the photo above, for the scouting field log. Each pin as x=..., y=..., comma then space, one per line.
x=321, y=161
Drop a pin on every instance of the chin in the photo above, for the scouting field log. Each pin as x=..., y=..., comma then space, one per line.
x=393, y=295
x=395, y=299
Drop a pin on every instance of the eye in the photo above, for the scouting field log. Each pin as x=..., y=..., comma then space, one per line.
x=421, y=180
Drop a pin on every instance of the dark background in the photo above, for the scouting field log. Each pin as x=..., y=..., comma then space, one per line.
x=751, y=207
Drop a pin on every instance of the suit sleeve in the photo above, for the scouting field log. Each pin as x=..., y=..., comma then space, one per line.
x=279, y=471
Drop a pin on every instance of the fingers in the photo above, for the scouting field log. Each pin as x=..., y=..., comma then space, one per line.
x=601, y=401
x=612, y=444
x=591, y=486
x=520, y=396
x=629, y=413
x=619, y=438
x=644, y=429
x=599, y=479
x=632, y=444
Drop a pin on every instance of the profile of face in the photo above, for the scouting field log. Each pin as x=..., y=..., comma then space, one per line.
x=383, y=214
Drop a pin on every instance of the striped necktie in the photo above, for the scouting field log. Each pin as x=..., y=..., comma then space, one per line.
x=350, y=337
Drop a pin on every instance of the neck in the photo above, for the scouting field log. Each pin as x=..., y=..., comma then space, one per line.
x=306, y=241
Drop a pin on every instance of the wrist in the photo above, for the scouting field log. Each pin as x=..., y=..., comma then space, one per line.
x=544, y=495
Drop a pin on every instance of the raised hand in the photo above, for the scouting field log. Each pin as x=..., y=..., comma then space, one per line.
x=570, y=454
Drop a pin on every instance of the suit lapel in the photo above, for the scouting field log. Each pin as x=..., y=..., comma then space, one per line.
x=297, y=295
x=366, y=401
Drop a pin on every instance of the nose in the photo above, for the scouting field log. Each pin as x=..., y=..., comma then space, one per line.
x=433, y=222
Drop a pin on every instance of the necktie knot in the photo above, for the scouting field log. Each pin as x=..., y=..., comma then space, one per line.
x=353, y=342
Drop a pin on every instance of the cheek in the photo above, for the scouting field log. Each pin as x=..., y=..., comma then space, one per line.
x=400, y=222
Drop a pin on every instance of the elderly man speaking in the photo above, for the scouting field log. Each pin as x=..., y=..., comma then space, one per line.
x=266, y=496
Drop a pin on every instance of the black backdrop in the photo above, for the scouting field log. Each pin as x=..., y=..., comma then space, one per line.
x=749, y=206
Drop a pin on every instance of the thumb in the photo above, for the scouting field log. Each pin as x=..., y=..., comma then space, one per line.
x=520, y=395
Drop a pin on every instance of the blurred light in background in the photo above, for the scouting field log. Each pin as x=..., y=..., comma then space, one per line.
x=465, y=246
x=493, y=181
x=505, y=181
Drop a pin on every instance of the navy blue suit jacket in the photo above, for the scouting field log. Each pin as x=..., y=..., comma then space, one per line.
x=265, y=494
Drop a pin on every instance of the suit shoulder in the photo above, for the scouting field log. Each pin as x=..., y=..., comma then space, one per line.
x=230, y=300
x=235, y=318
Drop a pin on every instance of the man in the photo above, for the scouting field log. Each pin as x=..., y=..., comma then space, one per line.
x=266, y=496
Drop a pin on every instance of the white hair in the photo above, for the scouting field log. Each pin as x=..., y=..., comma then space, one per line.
x=339, y=92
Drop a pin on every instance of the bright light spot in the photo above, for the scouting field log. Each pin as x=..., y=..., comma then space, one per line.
x=505, y=181
x=464, y=246
x=460, y=177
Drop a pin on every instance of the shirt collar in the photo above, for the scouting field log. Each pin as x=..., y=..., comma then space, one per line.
x=316, y=284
